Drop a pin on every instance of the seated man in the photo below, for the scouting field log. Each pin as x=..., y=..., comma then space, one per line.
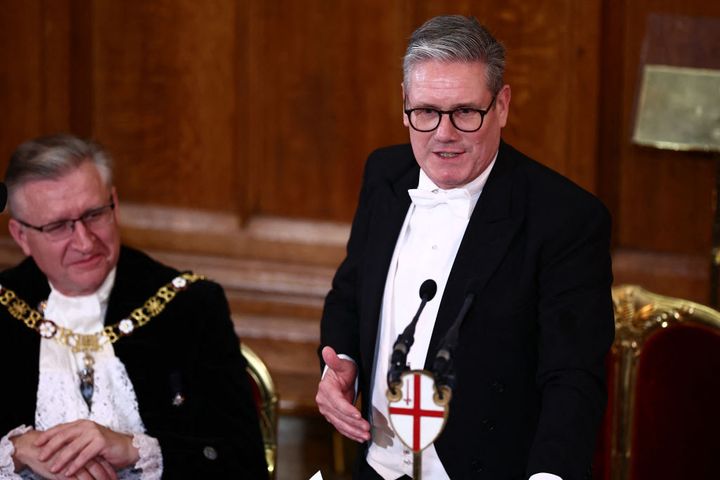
x=113, y=365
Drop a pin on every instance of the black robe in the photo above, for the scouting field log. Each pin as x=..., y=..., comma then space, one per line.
x=189, y=348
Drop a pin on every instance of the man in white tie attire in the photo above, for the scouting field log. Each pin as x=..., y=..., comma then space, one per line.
x=462, y=207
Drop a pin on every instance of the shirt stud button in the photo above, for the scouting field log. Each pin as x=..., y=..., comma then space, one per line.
x=210, y=453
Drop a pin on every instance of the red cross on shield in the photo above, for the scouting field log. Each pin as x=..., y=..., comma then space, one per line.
x=415, y=417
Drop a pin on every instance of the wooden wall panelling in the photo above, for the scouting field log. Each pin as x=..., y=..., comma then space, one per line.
x=34, y=76
x=81, y=88
x=164, y=91
x=243, y=133
x=323, y=90
x=20, y=79
x=274, y=111
x=662, y=201
x=582, y=58
x=611, y=102
x=674, y=188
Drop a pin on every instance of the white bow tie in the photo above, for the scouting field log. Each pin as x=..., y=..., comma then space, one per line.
x=458, y=199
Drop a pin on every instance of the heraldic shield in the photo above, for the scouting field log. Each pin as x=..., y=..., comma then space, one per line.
x=417, y=414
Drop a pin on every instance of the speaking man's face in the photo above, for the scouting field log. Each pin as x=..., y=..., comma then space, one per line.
x=451, y=157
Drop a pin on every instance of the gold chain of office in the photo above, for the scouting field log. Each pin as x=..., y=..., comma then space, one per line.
x=78, y=342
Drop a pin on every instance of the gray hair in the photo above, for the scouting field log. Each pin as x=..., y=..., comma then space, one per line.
x=455, y=38
x=51, y=157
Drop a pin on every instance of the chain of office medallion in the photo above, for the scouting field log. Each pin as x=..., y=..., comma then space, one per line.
x=154, y=305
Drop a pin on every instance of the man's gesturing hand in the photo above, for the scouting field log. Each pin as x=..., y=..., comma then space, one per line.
x=336, y=392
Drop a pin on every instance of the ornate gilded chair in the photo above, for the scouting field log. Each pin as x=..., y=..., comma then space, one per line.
x=664, y=388
x=267, y=402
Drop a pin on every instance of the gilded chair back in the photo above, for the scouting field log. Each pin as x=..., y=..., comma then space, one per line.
x=266, y=400
x=665, y=388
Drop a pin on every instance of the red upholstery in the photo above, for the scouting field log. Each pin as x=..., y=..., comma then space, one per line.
x=266, y=401
x=676, y=428
x=256, y=393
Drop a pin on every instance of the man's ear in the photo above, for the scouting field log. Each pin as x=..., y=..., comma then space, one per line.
x=503, y=104
x=19, y=234
x=405, y=119
x=113, y=192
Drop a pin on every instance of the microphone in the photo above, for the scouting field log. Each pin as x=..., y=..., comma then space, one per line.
x=442, y=367
x=398, y=358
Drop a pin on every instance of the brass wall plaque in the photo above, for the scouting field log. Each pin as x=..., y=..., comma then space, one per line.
x=679, y=109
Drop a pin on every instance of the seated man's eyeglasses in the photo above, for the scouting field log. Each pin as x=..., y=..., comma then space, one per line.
x=465, y=119
x=62, y=229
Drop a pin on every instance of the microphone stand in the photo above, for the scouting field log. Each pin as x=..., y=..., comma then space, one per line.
x=405, y=340
x=443, y=369
x=440, y=381
x=398, y=361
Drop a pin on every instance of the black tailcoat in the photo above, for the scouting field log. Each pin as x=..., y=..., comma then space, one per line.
x=530, y=390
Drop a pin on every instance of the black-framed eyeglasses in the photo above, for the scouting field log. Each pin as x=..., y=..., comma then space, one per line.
x=465, y=119
x=62, y=229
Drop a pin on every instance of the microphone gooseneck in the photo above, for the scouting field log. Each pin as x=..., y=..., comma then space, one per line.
x=442, y=367
x=398, y=358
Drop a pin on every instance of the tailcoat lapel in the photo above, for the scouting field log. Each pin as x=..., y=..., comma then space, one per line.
x=494, y=222
x=389, y=208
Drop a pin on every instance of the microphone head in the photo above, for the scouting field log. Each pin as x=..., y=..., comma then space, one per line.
x=428, y=289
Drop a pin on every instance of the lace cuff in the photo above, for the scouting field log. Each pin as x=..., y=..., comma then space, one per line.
x=151, y=462
x=7, y=467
